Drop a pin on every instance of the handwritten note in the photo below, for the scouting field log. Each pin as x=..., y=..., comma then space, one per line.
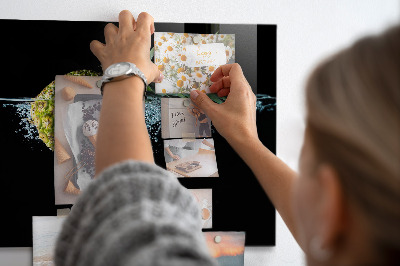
x=177, y=118
x=210, y=54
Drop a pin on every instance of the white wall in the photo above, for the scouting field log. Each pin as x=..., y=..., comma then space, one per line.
x=307, y=32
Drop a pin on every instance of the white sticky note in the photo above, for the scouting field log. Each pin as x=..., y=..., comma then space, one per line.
x=210, y=54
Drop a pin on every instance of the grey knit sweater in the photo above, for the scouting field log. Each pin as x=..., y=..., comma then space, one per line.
x=134, y=213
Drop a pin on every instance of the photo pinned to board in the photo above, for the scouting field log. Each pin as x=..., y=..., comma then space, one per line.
x=77, y=112
x=188, y=60
x=226, y=247
x=45, y=231
x=181, y=118
x=191, y=157
x=204, y=200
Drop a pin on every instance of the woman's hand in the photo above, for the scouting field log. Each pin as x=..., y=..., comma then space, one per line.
x=130, y=42
x=235, y=119
x=176, y=157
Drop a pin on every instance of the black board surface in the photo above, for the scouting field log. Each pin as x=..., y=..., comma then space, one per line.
x=33, y=52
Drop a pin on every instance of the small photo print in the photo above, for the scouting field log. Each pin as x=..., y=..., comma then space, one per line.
x=204, y=199
x=180, y=118
x=45, y=230
x=226, y=247
x=191, y=157
x=188, y=60
x=76, y=115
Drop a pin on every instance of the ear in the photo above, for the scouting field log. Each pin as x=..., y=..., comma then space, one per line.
x=332, y=211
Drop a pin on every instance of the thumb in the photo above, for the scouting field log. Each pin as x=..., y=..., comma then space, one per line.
x=202, y=101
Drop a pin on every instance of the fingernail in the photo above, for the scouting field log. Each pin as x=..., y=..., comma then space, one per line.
x=160, y=78
x=194, y=94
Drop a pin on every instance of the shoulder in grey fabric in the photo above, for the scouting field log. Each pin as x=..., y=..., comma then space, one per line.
x=134, y=213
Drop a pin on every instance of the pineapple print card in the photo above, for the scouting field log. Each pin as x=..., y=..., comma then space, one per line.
x=188, y=60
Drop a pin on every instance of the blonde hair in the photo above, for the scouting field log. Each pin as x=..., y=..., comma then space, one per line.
x=353, y=120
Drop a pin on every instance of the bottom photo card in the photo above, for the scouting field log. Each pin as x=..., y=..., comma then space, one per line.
x=204, y=199
x=191, y=157
x=226, y=247
x=45, y=230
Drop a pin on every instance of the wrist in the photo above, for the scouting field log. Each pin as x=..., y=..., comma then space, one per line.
x=240, y=141
x=132, y=86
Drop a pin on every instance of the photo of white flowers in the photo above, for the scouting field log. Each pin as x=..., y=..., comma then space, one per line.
x=188, y=60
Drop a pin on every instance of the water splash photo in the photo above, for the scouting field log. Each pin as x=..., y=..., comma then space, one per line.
x=20, y=112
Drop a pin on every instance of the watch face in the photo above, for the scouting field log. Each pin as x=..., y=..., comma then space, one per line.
x=118, y=69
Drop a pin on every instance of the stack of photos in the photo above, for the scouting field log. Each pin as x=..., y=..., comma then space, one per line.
x=187, y=62
x=188, y=147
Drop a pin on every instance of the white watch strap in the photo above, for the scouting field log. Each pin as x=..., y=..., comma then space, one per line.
x=135, y=71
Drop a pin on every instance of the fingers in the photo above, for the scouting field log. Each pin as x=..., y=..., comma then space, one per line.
x=229, y=79
x=203, y=102
x=225, y=82
x=223, y=92
x=96, y=47
x=232, y=70
x=157, y=76
x=145, y=23
x=224, y=76
x=126, y=22
x=110, y=31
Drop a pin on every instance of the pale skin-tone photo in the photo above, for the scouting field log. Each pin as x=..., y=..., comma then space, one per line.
x=342, y=207
x=176, y=157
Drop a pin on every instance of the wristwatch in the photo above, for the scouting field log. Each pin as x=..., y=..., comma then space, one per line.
x=120, y=71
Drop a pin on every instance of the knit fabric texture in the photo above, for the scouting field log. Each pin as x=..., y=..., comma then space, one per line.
x=134, y=213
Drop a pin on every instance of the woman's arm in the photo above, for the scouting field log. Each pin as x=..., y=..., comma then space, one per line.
x=275, y=176
x=207, y=143
x=235, y=120
x=175, y=157
x=190, y=111
x=122, y=131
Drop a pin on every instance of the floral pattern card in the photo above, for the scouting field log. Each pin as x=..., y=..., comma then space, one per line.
x=188, y=60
